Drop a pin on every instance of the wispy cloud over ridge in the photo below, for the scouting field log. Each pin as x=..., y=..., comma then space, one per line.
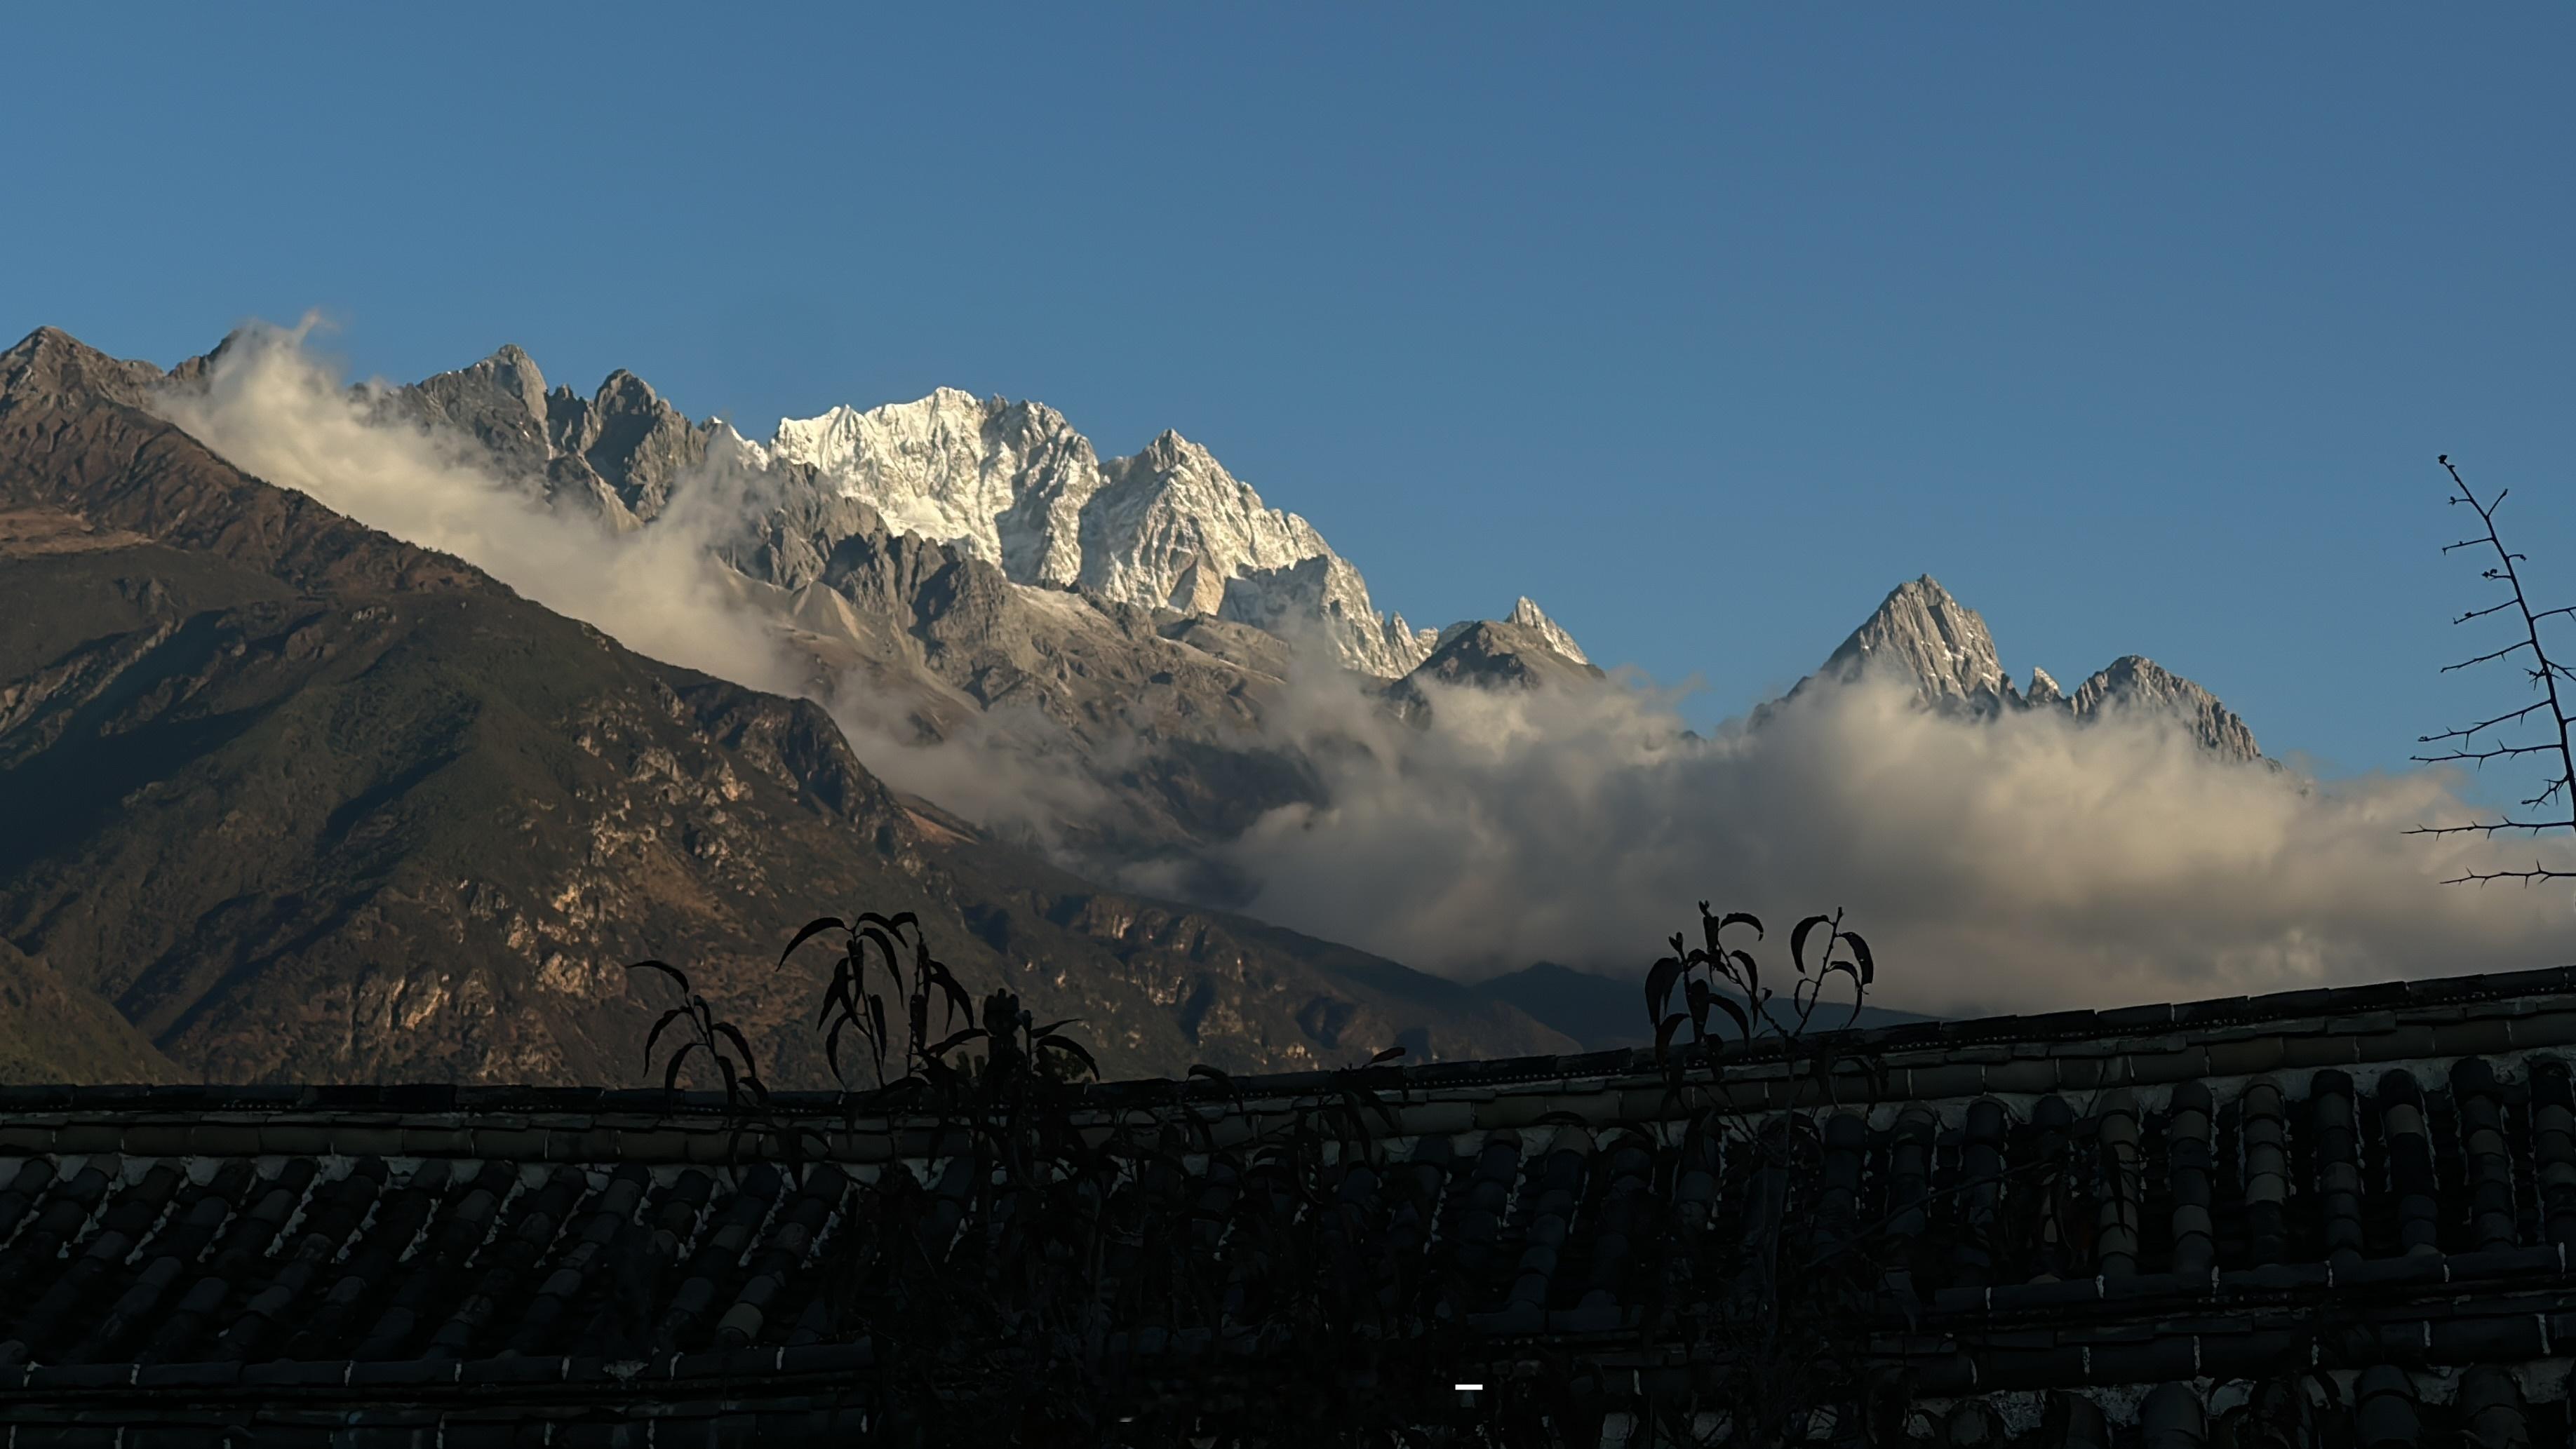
x=279, y=412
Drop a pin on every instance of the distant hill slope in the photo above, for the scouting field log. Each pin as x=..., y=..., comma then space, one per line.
x=305, y=801
x=1603, y=1012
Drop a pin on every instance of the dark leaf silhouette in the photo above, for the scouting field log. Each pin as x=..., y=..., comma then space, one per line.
x=1743, y=1022
x=666, y=969
x=1798, y=940
x=1860, y=953
x=1659, y=982
x=954, y=1040
x=1664, y=1031
x=811, y=929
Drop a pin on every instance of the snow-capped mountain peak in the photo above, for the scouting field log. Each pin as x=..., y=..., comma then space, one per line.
x=1168, y=528
x=1005, y=481
x=1010, y=483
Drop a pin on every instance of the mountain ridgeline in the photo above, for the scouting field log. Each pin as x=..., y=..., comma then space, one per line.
x=975, y=561
x=290, y=798
x=1945, y=650
x=1010, y=484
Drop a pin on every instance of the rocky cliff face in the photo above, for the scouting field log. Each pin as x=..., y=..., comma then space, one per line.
x=1941, y=643
x=299, y=800
x=617, y=452
x=2134, y=683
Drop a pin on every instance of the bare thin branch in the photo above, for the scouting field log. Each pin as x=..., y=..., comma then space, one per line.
x=2486, y=827
x=2484, y=658
x=2482, y=756
x=2538, y=872
x=2480, y=726
x=2545, y=674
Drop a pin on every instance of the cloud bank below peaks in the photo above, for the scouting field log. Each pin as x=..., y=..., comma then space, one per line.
x=2020, y=863
x=2027, y=862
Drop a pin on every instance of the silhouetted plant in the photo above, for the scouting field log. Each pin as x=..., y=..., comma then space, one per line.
x=2546, y=675
x=1713, y=976
x=852, y=1001
x=1785, y=1265
x=722, y=1042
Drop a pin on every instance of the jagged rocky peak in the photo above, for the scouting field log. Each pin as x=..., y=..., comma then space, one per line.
x=1173, y=504
x=1944, y=647
x=50, y=360
x=634, y=444
x=513, y=371
x=1173, y=510
x=1528, y=616
x=1528, y=623
x=1941, y=643
x=1491, y=653
x=617, y=452
x=2133, y=682
x=500, y=402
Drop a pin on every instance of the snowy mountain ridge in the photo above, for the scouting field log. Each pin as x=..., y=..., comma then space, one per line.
x=1168, y=528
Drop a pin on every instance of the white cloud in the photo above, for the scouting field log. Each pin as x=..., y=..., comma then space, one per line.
x=2024, y=863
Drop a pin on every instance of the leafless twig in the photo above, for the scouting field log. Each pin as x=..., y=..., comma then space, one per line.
x=2544, y=673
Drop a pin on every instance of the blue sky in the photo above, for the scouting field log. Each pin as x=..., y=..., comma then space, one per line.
x=1704, y=326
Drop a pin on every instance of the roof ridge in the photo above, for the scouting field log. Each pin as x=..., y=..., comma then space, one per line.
x=2322, y=1005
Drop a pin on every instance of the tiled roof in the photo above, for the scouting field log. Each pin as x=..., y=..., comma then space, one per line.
x=2378, y=1182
